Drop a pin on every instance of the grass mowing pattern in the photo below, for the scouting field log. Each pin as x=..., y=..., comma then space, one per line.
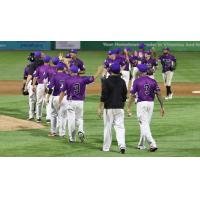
x=12, y=64
x=177, y=134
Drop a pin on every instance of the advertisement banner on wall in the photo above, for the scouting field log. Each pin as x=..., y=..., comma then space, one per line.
x=25, y=45
x=68, y=44
x=158, y=45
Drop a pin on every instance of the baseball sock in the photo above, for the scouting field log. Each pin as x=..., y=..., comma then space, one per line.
x=168, y=90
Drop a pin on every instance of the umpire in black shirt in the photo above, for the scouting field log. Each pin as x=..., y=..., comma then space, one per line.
x=37, y=61
x=113, y=98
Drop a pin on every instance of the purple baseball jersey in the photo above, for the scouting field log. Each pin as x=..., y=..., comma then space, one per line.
x=26, y=70
x=51, y=72
x=167, y=62
x=79, y=63
x=108, y=62
x=76, y=86
x=126, y=62
x=145, y=87
x=133, y=60
x=57, y=81
x=41, y=73
x=140, y=55
x=150, y=62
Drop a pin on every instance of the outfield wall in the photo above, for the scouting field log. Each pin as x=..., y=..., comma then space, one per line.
x=98, y=45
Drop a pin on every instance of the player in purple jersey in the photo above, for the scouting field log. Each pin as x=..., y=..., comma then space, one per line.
x=76, y=61
x=32, y=96
x=151, y=63
x=146, y=89
x=126, y=69
x=112, y=58
x=75, y=87
x=40, y=76
x=54, y=88
x=168, y=63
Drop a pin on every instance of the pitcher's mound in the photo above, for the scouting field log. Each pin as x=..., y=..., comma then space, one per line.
x=12, y=124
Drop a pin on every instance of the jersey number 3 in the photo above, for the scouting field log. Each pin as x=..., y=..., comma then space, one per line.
x=76, y=88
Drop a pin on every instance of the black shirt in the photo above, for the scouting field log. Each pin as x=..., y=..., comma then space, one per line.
x=114, y=92
x=33, y=66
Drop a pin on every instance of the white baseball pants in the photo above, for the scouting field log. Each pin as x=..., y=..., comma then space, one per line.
x=144, y=114
x=167, y=78
x=48, y=108
x=58, y=115
x=32, y=100
x=126, y=77
x=40, y=94
x=135, y=75
x=75, y=118
x=113, y=117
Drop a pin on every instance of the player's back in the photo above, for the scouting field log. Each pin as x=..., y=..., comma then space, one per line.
x=59, y=79
x=51, y=72
x=76, y=86
x=146, y=88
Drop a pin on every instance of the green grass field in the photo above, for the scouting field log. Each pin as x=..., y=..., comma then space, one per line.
x=177, y=134
x=13, y=62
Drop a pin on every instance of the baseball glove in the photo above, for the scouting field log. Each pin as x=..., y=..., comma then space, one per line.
x=25, y=93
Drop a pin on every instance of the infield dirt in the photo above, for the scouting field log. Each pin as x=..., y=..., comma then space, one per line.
x=8, y=88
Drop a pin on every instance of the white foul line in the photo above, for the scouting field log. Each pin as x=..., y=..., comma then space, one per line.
x=196, y=92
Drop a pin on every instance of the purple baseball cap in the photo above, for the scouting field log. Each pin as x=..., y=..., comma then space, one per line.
x=67, y=55
x=74, y=69
x=117, y=50
x=128, y=49
x=37, y=54
x=74, y=51
x=111, y=52
x=166, y=48
x=115, y=68
x=47, y=59
x=60, y=66
x=55, y=60
x=142, y=68
x=141, y=46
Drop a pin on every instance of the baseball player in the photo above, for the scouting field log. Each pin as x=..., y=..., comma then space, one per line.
x=37, y=60
x=76, y=61
x=113, y=98
x=112, y=58
x=168, y=63
x=40, y=76
x=126, y=69
x=146, y=88
x=32, y=96
x=75, y=87
x=151, y=63
x=136, y=59
x=54, y=88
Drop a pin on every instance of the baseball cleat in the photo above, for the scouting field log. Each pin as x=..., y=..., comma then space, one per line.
x=153, y=149
x=39, y=120
x=52, y=134
x=166, y=98
x=141, y=147
x=122, y=150
x=81, y=136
